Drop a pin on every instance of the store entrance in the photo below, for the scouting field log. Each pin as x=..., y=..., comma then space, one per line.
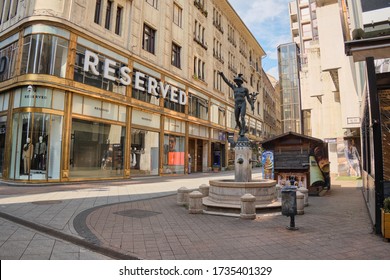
x=195, y=149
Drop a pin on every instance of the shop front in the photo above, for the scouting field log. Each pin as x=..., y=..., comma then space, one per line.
x=98, y=135
x=198, y=147
x=145, y=143
x=37, y=122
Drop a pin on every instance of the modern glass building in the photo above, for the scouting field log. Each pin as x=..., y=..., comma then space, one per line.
x=290, y=87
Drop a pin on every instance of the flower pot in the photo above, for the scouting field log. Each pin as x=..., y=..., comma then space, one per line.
x=385, y=224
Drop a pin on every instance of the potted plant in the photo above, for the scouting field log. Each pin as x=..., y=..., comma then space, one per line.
x=386, y=218
x=215, y=167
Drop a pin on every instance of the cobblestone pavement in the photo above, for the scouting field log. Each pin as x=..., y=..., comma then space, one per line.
x=139, y=219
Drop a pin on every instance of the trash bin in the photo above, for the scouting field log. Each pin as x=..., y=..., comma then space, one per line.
x=289, y=204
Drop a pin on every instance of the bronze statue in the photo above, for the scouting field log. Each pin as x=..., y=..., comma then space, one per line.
x=240, y=93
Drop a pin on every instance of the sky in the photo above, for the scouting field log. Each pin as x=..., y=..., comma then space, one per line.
x=268, y=21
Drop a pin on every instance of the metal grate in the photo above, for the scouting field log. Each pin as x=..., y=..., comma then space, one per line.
x=137, y=213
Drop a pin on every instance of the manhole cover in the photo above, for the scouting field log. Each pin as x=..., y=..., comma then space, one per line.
x=46, y=202
x=137, y=213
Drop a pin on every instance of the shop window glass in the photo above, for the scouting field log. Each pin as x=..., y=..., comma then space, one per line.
x=173, y=161
x=96, y=108
x=92, y=107
x=77, y=104
x=36, y=146
x=3, y=130
x=97, y=149
x=39, y=97
x=58, y=100
x=4, y=100
x=89, y=78
x=140, y=94
x=145, y=148
x=8, y=61
x=44, y=54
x=198, y=107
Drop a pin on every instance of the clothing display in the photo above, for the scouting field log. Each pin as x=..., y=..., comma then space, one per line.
x=27, y=155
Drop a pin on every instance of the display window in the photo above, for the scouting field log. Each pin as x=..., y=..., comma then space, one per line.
x=36, y=146
x=3, y=130
x=173, y=162
x=144, y=158
x=96, y=149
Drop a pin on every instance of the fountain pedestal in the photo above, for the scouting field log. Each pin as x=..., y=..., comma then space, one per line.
x=242, y=160
x=225, y=195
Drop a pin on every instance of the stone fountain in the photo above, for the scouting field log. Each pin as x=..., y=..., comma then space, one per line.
x=225, y=195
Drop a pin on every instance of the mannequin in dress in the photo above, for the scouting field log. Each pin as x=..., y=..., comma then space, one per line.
x=27, y=155
x=39, y=154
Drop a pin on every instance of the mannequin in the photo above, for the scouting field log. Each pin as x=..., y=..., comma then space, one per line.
x=39, y=154
x=27, y=154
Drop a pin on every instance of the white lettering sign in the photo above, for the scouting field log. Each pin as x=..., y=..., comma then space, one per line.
x=142, y=82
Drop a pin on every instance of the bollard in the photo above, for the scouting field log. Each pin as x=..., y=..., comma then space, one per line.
x=300, y=203
x=278, y=192
x=195, y=205
x=289, y=205
x=204, y=189
x=305, y=192
x=248, y=207
x=182, y=196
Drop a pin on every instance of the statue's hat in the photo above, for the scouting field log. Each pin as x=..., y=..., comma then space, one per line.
x=238, y=78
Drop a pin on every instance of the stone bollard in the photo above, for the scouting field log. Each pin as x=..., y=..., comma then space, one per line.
x=278, y=192
x=204, y=189
x=182, y=196
x=248, y=207
x=195, y=205
x=306, y=194
x=300, y=203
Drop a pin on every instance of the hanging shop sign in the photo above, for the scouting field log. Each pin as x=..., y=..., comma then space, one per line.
x=142, y=81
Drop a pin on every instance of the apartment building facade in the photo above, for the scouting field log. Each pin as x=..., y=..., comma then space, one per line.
x=330, y=101
x=96, y=89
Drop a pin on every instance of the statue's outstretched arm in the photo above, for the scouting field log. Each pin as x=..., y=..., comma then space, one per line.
x=226, y=80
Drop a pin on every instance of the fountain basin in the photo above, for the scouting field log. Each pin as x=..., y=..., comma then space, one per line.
x=225, y=195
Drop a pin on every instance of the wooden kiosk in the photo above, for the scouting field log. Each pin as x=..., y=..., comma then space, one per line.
x=301, y=161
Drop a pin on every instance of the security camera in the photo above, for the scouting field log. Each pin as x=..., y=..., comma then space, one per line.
x=30, y=88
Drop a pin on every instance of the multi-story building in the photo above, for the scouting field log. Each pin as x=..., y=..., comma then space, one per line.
x=277, y=129
x=330, y=102
x=116, y=88
x=269, y=107
x=288, y=60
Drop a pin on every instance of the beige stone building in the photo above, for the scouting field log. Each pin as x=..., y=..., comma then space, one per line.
x=119, y=88
x=330, y=101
